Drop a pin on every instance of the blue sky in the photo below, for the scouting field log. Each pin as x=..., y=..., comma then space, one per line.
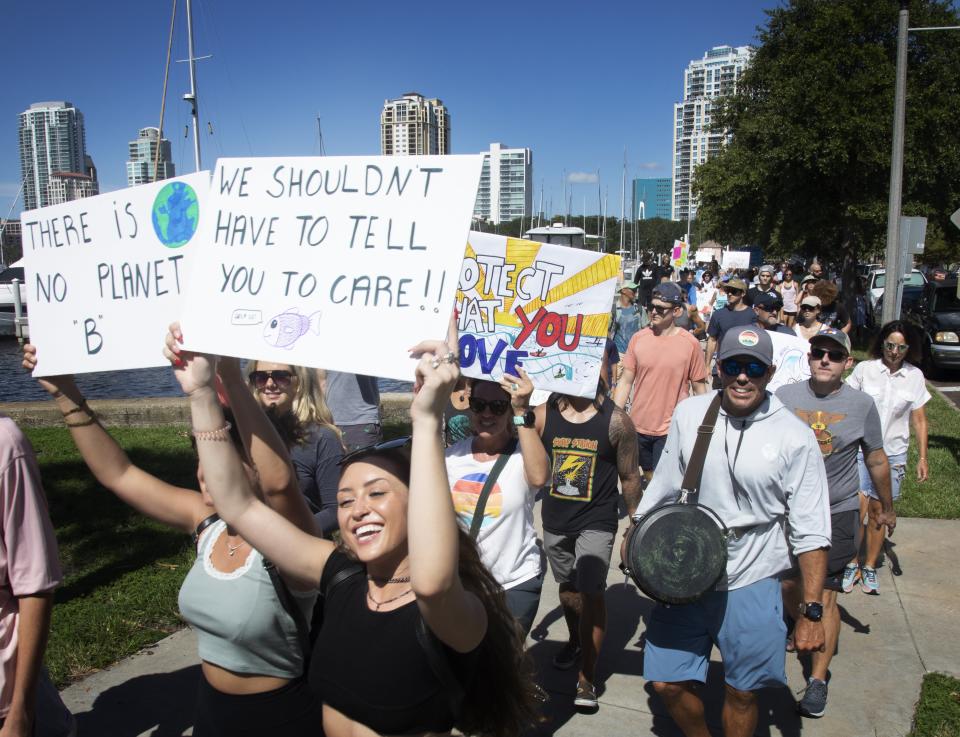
x=574, y=81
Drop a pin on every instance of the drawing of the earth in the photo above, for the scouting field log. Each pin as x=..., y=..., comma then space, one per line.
x=176, y=213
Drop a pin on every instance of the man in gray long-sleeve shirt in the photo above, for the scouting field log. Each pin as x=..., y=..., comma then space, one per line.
x=763, y=469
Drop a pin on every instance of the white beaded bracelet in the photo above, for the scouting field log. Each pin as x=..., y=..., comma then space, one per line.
x=222, y=433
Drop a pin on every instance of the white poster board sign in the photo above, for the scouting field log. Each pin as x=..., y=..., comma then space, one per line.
x=735, y=260
x=540, y=306
x=105, y=275
x=341, y=263
x=790, y=358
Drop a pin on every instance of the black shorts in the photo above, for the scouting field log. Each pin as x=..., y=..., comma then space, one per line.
x=292, y=710
x=650, y=447
x=843, y=546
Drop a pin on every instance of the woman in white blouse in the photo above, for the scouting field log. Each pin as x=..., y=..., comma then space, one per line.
x=900, y=392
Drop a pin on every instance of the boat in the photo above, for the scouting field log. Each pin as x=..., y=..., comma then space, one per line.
x=8, y=300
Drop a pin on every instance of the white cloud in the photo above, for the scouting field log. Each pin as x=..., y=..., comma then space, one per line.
x=650, y=165
x=581, y=177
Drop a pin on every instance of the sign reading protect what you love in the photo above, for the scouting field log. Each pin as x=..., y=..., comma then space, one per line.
x=106, y=275
x=341, y=263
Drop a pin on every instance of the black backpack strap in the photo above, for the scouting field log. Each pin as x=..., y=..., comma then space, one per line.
x=440, y=666
x=290, y=607
x=488, y=487
x=204, y=524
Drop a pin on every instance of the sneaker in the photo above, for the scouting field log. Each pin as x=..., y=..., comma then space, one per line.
x=814, y=701
x=586, y=696
x=850, y=575
x=869, y=583
x=567, y=657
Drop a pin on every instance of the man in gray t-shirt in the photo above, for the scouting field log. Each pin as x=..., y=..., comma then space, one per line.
x=354, y=401
x=844, y=422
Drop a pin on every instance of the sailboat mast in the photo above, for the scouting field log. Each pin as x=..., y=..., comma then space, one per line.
x=623, y=199
x=192, y=97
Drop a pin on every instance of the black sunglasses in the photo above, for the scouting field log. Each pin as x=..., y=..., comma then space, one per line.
x=280, y=378
x=384, y=447
x=661, y=310
x=497, y=406
x=807, y=308
x=837, y=356
x=733, y=367
x=733, y=290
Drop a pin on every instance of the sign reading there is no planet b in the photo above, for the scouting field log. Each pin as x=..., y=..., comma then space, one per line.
x=341, y=263
x=105, y=275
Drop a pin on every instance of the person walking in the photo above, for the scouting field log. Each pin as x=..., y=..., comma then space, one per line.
x=767, y=306
x=662, y=365
x=844, y=422
x=630, y=316
x=734, y=314
x=899, y=390
x=592, y=445
x=354, y=401
x=764, y=468
x=809, y=324
x=764, y=284
x=789, y=292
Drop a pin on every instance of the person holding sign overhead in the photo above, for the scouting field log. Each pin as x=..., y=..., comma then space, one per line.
x=412, y=619
x=494, y=478
x=252, y=660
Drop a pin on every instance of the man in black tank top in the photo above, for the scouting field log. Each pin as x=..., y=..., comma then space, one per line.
x=592, y=445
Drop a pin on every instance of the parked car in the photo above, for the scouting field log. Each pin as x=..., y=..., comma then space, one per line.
x=877, y=280
x=935, y=309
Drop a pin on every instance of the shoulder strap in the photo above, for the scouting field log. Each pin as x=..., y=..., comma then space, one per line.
x=690, y=487
x=488, y=487
x=440, y=666
x=204, y=524
x=290, y=607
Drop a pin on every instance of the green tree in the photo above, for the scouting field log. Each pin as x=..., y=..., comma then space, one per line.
x=808, y=166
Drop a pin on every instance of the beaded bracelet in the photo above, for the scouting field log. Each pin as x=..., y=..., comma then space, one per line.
x=222, y=433
x=82, y=423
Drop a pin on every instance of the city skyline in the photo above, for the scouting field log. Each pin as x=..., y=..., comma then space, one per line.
x=261, y=92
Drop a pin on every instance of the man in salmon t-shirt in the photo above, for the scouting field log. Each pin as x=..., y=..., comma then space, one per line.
x=29, y=572
x=661, y=365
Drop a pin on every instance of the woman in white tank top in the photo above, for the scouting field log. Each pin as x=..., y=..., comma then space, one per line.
x=789, y=290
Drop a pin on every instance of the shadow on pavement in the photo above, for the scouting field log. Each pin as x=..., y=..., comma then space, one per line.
x=161, y=702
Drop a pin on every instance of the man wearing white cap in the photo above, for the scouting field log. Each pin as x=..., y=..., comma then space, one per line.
x=764, y=284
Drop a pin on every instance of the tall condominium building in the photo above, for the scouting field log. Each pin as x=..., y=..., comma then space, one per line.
x=704, y=80
x=652, y=198
x=66, y=186
x=413, y=125
x=506, y=189
x=143, y=165
x=52, y=139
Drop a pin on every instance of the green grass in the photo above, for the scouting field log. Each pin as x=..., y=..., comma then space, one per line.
x=937, y=497
x=938, y=711
x=122, y=571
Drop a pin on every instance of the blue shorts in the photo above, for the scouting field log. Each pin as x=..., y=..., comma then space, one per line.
x=745, y=624
x=898, y=469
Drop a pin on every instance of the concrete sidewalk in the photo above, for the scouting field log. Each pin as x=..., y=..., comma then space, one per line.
x=886, y=645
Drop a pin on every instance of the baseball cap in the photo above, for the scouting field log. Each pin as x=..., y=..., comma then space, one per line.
x=807, y=278
x=767, y=300
x=766, y=269
x=668, y=292
x=811, y=301
x=629, y=285
x=748, y=340
x=735, y=282
x=837, y=336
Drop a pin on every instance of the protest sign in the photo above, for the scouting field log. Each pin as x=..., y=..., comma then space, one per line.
x=679, y=255
x=105, y=275
x=790, y=358
x=341, y=263
x=735, y=260
x=543, y=307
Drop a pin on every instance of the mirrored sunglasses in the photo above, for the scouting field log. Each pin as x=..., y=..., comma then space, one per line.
x=733, y=367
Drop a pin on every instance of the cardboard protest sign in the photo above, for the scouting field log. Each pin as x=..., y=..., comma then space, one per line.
x=735, y=260
x=105, y=275
x=335, y=262
x=790, y=358
x=543, y=307
x=679, y=255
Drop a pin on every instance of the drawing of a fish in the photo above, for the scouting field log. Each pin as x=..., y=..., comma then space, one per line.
x=286, y=328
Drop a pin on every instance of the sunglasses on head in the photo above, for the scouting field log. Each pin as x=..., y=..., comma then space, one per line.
x=835, y=356
x=280, y=378
x=662, y=309
x=896, y=347
x=384, y=447
x=733, y=367
x=496, y=406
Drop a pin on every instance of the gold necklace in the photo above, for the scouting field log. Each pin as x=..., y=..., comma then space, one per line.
x=378, y=604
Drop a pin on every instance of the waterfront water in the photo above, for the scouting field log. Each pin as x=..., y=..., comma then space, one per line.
x=18, y=386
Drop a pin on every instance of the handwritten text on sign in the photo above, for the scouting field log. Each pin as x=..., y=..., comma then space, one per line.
x=543, y=307
x=336, y=262
x=105, y=274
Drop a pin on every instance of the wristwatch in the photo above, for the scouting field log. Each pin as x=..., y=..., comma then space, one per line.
x=812, y=610
x=527, y=419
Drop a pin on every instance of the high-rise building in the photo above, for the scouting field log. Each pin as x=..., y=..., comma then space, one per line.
x=652, y=198
x=412, y=125
x=66, y=186
x=144, y=165
x=52, y=139
x=506, y=190
x=704, y=80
